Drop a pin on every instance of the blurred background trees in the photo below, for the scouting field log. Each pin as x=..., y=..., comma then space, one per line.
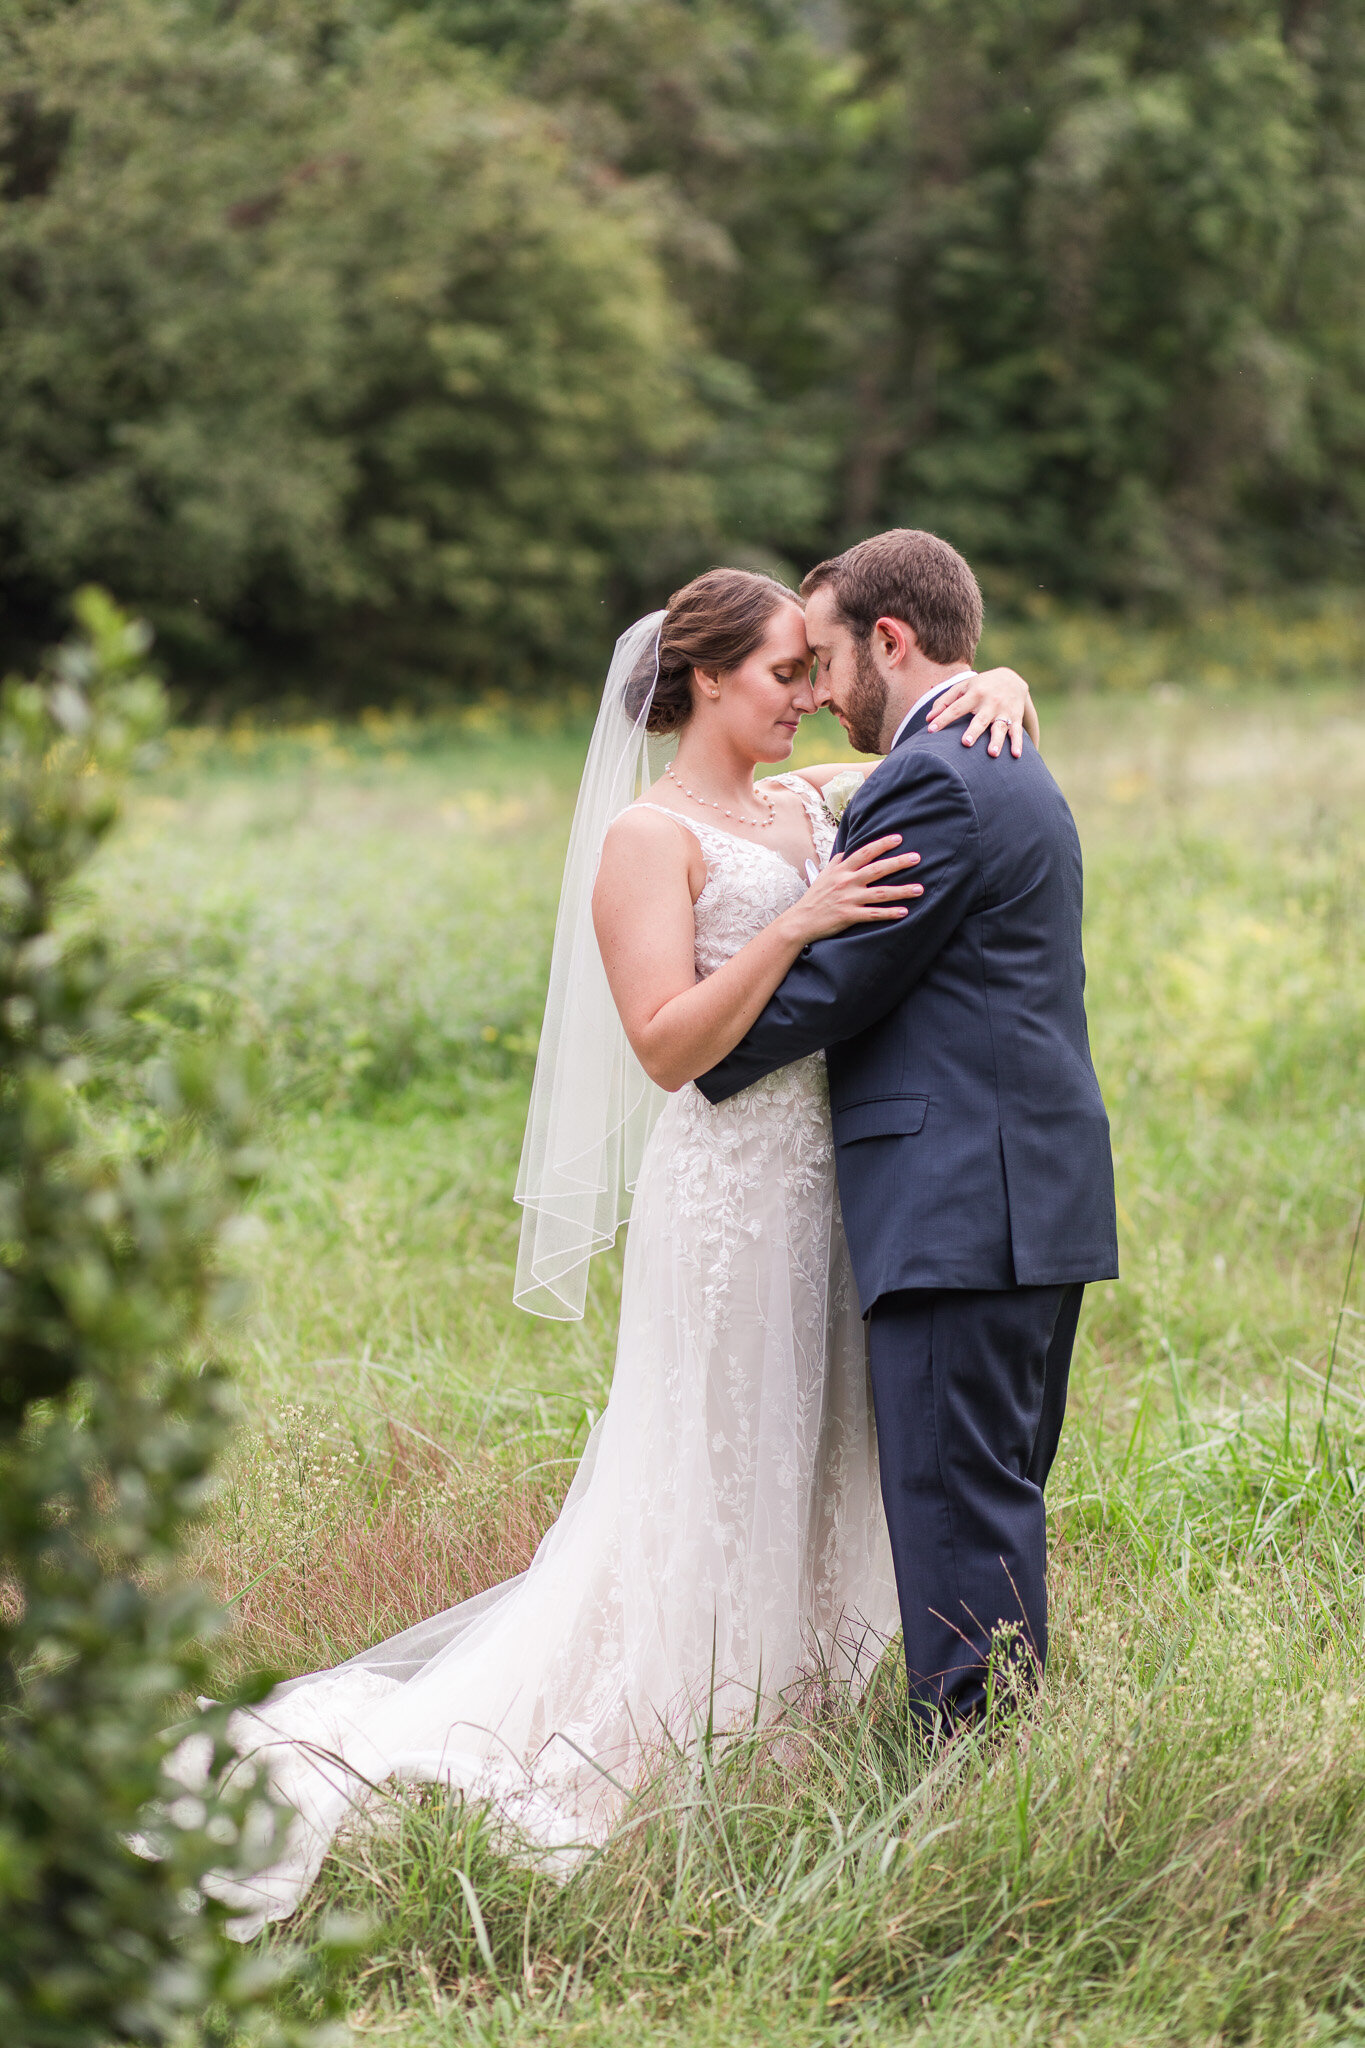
x=383, y=348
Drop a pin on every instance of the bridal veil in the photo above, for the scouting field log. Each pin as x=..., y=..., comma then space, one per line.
x=592, y=1104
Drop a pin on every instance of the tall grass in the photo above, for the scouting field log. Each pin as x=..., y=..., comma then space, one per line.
x=1169, y=1844
x=327, y=1546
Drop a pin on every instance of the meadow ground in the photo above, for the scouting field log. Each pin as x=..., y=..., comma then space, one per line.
x=1169, y=1844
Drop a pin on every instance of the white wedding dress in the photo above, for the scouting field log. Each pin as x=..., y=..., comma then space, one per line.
x=724, y=1533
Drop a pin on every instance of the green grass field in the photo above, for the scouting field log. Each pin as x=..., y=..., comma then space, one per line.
x=1169, y=1844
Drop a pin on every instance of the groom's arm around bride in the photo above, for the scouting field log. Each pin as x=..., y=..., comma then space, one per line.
x=971, y=1138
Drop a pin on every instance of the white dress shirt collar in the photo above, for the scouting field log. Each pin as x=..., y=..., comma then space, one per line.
x=934, y=690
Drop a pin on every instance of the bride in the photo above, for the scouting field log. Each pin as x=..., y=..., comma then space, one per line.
x=724, y=1531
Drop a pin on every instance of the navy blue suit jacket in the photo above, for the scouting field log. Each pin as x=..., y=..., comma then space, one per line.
x=970, y=1134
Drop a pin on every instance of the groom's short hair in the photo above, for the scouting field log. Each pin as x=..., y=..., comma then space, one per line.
x=909, y=575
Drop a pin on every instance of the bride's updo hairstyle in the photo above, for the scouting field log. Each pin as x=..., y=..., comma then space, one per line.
x=714, y=622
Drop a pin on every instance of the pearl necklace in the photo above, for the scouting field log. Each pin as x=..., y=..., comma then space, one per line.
x=759, y=824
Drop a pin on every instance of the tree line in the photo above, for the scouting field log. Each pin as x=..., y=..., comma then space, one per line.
x=378, y=347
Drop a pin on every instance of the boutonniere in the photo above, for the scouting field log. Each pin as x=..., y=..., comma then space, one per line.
x=840, y=788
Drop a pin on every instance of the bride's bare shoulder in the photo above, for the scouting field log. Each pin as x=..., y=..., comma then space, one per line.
x=647, y=846
x=650, y=826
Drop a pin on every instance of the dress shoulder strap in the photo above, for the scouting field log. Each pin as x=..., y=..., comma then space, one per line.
x=809, y=795
x=697, y=825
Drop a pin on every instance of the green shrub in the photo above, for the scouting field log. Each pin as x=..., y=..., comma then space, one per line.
x=110, y=1417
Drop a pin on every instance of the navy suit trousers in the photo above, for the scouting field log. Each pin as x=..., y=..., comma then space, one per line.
x=970, y=1391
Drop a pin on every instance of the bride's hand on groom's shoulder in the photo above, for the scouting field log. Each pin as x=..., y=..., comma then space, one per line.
x=999, y=699
x=866, y=886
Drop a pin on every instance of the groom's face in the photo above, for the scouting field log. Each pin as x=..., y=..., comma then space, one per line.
x=847, y=675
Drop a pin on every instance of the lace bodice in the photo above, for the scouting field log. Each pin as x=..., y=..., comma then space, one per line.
x=719, y=1157
x=748, y=884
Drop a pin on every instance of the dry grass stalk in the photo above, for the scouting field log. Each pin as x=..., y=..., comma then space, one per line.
x=322, y=1551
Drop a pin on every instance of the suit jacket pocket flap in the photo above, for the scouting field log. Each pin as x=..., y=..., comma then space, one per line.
x=887, y=1116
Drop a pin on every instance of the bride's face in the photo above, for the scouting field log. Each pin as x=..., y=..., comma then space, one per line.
x=759, y=705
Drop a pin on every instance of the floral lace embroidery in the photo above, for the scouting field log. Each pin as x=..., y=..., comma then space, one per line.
x=721, y=1154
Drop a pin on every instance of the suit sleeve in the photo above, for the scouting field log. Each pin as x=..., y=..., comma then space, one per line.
x=845, y=983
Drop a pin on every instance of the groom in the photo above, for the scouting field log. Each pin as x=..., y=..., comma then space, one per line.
x=971, y=1139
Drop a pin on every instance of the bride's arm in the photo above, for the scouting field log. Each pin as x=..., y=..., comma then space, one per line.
x=678, y=1026
x=1000, y=699
x=823, y=773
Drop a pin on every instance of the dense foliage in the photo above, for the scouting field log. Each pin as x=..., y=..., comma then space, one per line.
x=1121, y=291
x=108, y=1423
x=401, y=344
x=315, y=360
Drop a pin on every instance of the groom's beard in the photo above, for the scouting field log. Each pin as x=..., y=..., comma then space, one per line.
x=865, y=711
